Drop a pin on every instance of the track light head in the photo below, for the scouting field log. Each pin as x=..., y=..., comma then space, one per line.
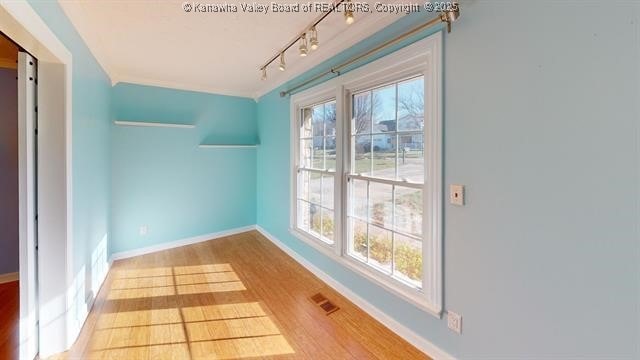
x=348, y=13
x=348, y=17
x=264, y=74
x=282, y=65
x=451, y=15
x=303, y=45
x=314, y=39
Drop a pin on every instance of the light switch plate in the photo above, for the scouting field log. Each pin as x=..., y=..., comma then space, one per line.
x=454, y=322
x=456, y=194
x=144, y=230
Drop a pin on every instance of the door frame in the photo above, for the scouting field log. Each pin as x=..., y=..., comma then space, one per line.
x=20, y=22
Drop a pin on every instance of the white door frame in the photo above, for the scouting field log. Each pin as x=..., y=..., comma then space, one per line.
x=23, y=25
x=27, y=205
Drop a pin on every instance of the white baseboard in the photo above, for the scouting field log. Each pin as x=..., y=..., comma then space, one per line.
x=9, y=277
x=409, y=335
x=181, y=242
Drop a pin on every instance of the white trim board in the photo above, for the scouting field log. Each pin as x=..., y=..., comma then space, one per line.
x=9, y=277
x=409, y=335
x=179, y=243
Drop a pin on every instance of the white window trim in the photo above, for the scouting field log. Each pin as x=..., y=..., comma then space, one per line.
x=423, y=57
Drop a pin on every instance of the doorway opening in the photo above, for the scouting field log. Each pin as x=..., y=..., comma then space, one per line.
x=9, y=206
x=18, y=210
x=48, y=322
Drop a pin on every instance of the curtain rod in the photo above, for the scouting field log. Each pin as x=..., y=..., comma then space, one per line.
x=447, y=16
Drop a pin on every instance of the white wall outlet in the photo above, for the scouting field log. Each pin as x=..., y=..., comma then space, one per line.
x=456, y=194
x=454, y=321
x=144, y=230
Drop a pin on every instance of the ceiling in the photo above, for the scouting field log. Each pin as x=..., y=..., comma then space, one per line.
x=158, y=43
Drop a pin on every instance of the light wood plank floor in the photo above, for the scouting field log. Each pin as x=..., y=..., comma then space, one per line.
x=230, y=298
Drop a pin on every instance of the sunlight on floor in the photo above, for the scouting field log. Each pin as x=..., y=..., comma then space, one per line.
x=179, y=280
x=216, y=331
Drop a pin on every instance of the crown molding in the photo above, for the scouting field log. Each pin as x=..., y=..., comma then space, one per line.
x=176, y=85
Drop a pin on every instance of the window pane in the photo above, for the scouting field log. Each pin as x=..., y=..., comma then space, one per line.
x=303, y=185
x=327, y=224
x=384, y=156
x=318, y=152
x=384, y=109
x=411, y=104
x=315, y=187
x=330, y=153
x=407, y=259
x=361, y=113
x=358, y=239
x=327, y=191
x=358, y=203
x=305, y=123
x=408, y=211
x=381, y=207
x=362, y=155
x=318, y=120
x=315, y=222
x=380, y=248
x=330, y=119
x=303, y=215
x=306, y=151
x=411, y=157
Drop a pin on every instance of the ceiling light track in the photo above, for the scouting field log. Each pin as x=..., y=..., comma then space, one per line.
x=447, y=17
x=311, y=32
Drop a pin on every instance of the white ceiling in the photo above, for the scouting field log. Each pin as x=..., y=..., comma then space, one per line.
x=157, y=43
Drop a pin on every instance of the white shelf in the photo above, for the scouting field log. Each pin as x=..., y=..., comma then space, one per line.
x=153, y=124
x=225, y=146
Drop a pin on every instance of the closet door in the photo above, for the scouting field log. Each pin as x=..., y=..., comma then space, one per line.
x=27, y=175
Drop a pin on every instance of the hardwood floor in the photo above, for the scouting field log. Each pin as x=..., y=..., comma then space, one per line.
x=230, y=298
x=9, y=316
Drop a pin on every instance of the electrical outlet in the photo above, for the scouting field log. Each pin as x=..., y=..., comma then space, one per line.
x=456, y=194
x=454, y=321
x=144, y=230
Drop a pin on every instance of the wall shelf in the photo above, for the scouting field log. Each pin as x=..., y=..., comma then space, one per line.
x=226, y=146
x=153, y=124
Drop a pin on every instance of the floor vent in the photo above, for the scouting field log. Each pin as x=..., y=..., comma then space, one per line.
x=324, y=303
x=318, y=298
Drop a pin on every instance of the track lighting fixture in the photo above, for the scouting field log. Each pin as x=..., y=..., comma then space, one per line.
x=303, y=45
x=312, y=43
x=348, y=13
x=314, y=39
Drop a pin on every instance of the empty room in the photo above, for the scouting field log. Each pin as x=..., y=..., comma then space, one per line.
x=331, y=179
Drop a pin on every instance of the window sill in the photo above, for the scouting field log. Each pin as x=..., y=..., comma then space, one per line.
x=413, y=296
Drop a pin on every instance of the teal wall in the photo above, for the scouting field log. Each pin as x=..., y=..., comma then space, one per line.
x=161, y=179
x=91, y=128
x=541, y=125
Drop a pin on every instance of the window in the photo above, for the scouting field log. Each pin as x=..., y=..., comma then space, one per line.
x=386, y=179
x=366, y=171
x=316, y=170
